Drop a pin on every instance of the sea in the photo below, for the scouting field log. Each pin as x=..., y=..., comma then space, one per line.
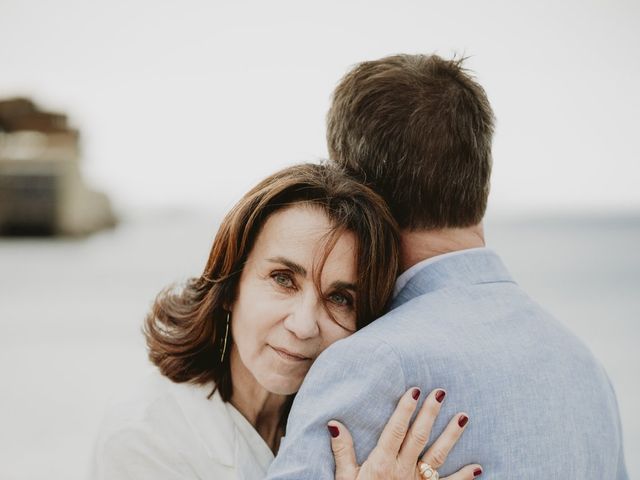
x=71, y=312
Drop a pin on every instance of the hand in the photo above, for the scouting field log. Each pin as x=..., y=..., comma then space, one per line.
x=396, y=455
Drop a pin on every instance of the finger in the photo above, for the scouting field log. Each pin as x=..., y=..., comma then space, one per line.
x=439, y=450
x=465, y=473
x=419, y=433
x=396, y=429
x=343, y=452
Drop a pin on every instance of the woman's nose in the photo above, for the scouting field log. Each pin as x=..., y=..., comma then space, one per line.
x=303, y=319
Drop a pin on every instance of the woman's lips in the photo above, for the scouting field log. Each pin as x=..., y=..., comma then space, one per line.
x=288, y=355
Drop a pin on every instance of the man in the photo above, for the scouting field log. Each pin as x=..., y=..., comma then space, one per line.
x=418, y=129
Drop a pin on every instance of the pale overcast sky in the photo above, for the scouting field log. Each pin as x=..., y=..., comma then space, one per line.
x=189, y=103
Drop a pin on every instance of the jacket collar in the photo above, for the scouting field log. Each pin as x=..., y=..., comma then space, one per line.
x=209, y=421
x=472, y=267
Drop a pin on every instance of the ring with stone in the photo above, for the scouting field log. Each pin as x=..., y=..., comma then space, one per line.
x=427, y=471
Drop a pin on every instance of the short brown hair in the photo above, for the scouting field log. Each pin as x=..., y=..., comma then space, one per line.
x=418, y=129
x=185, y=327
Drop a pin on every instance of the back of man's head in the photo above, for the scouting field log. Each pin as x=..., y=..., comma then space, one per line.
x=418, y=129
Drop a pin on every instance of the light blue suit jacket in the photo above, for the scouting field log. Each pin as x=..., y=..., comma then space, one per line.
x=540, y=405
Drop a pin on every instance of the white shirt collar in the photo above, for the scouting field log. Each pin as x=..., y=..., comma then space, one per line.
x=257, y=454
x=408, y=274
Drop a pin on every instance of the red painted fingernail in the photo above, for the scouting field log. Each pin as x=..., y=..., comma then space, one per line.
x=462, y=421
x=440, y=395
x=334, y=431
x=416, y=393
x=477, y=472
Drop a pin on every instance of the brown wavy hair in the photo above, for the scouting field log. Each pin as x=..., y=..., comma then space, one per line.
x=185, y=329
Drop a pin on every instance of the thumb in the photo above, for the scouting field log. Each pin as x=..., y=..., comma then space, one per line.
x=343, y=452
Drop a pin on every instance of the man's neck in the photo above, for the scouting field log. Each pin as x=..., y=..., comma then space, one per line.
x=419, y=245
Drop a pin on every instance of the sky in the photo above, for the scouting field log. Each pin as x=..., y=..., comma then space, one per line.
x=190, y=103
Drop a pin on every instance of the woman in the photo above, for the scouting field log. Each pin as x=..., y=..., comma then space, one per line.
x=305, y=258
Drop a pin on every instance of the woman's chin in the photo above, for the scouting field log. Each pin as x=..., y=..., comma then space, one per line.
x=282, y=386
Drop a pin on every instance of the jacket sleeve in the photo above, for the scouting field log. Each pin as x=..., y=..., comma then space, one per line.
x=621, y=473
x=356, y=381
x=136, y=454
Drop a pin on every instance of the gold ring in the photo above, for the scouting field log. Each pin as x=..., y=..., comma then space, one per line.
x=427, y=471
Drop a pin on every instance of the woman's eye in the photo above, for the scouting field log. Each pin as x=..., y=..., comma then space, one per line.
x=340, y=299
x=283, y=280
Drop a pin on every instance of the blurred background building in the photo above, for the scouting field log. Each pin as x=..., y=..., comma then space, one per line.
x=184, y=106
x=42, y=191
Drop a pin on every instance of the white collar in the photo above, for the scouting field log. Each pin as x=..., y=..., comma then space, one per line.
x=408, y=274
x=255, y=465
x=212, y=419
x=208, y=419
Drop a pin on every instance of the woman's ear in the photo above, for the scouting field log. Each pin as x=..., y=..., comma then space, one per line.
x=227, y=294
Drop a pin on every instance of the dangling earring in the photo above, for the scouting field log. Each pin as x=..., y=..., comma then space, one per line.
x=226, y=336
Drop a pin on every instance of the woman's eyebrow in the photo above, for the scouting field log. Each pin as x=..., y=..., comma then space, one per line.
x=340, y=285
x=294, y=267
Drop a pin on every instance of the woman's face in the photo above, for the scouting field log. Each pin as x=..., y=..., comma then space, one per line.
x=279, y=320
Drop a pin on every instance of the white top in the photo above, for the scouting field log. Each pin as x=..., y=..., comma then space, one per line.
x=409, y=273
x=173, y=431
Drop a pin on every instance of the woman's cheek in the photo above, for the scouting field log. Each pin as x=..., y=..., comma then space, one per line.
x=334, y=333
